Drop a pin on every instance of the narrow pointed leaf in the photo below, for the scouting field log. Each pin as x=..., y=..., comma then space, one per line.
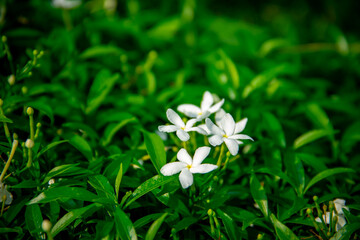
x=151, y=233
x=124, y=227
x=282, y=231
x=259, y=195
x=156, y=150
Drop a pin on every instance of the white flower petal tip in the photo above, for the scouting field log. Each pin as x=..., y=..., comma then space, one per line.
x=174, y=118
x=227, y=131
x=66, y=4
x=187, y=166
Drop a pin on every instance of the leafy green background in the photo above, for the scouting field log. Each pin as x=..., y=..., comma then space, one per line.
x=100, y=82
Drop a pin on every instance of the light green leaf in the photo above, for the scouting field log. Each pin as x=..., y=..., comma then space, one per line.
x=118, y=180
x=102, y=186
x=5, y=119
x=82, y=145
x=33, y=218
x=124, y=227
x=147, y=219
x=101, y=50
x=346, y=232
x=100, y=88
x=113, y=128
x=69, y=217
x=295, y=171
x=271, y=45
x=156, y=150
x=165, y=30
x=259, y=195
x=66, y=170
x=49, y=146
x=310, y=136
x=282, y=231
x=327, y=173
x=231, y=70
x=151, y=233
x=62, y=193
x=148, y=186
x=230, y=225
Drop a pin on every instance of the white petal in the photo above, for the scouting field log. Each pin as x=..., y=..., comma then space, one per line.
x=217, y=106
x=190, y=123
x=213, y=128
x=207, y=101
x=216, y=140
x=204, y=128
x=239, y=126
x=183, y=156
x=232, y=145
x=203, y=115
x=199, y=130
x=186, y=178
x=189, y=110
x=219, y=115
x=326, y=218
x=200, y=154
x=341, y=222
x=339, y=205
x=203, y=168
x=168, y=128
x=174, y=118
x=172, y=168
x=240, y=136
x=184, y=136
x=228, y=124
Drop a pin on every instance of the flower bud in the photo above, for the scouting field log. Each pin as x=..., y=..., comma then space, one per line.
x=30, y=111
x=38, y=125
x=210, y=212
x=15, y=136
x=4, y=39
x=46, y=225
x=11, y=79
x=29, y=143
x=308, y=211
x=24, y=90
x=315, y=198
x=35, y=52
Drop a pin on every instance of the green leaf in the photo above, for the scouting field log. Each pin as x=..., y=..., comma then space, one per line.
x=9, y=230
x=102, y=186
x=147, y=219
x=5, y=119
x=66, y=170
x=185, y=223
x=49, y=146
x=282, y=231
x=63, y=193
x=118, y=180
x=113, y=128
x=310, y=136
x=43, y=106
x=33, y=218
x=124, y=227
x=82, y=145
x=165, y=30
x=259, y=195
x=101, y=50
x=271, y=45
x=346, y=232
x=151, y=233
x=69, y=217
x=318, y=116
x=295, y=171
x=100, y=88
x=156, y=150
x=148, y=186
x=327, y=173
x=230, y=225
x=274, y=128
x=231, y=70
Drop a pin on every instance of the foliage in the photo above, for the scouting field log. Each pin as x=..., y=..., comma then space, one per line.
x=88, y=87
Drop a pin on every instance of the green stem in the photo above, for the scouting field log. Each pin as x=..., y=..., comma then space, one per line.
x=221, y=155
x=6, y=128
x=14, y=146
x=226, y=161
x=67, y=19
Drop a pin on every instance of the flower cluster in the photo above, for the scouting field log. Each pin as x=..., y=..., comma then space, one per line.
x=341, y=221
x=226, y=131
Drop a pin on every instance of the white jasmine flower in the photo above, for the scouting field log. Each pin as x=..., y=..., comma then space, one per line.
x=66, y=4
x=179, y=126
x=341, y=220
x=206, y=107
x=228, y=132
x=218, y=116
x=4, y=193
x=187, y=166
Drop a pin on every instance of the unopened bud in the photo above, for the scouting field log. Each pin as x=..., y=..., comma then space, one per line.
x=210, y=212
x=30, y=111
x=15, y=136
x=11, y=79
x=38, y=125
x=308, y=211
x=24, y=90
x=29, y=143
x=35, y=52
x=315, y=198
x=46, y=225
x=30, y=74
x=4, y=39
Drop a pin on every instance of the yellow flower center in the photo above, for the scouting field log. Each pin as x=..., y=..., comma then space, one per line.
x=225, y=136
x=200, y=113
x=188, y=166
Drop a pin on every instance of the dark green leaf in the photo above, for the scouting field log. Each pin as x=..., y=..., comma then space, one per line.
x=259, y=195
x=82, y=145
x=151, y=233
x=295, y=171
x=49, y=146
x=230, y=225
x=33, y=218
x=282, y=231
x=310, y=136
x=274, y=128
x=124, y=227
